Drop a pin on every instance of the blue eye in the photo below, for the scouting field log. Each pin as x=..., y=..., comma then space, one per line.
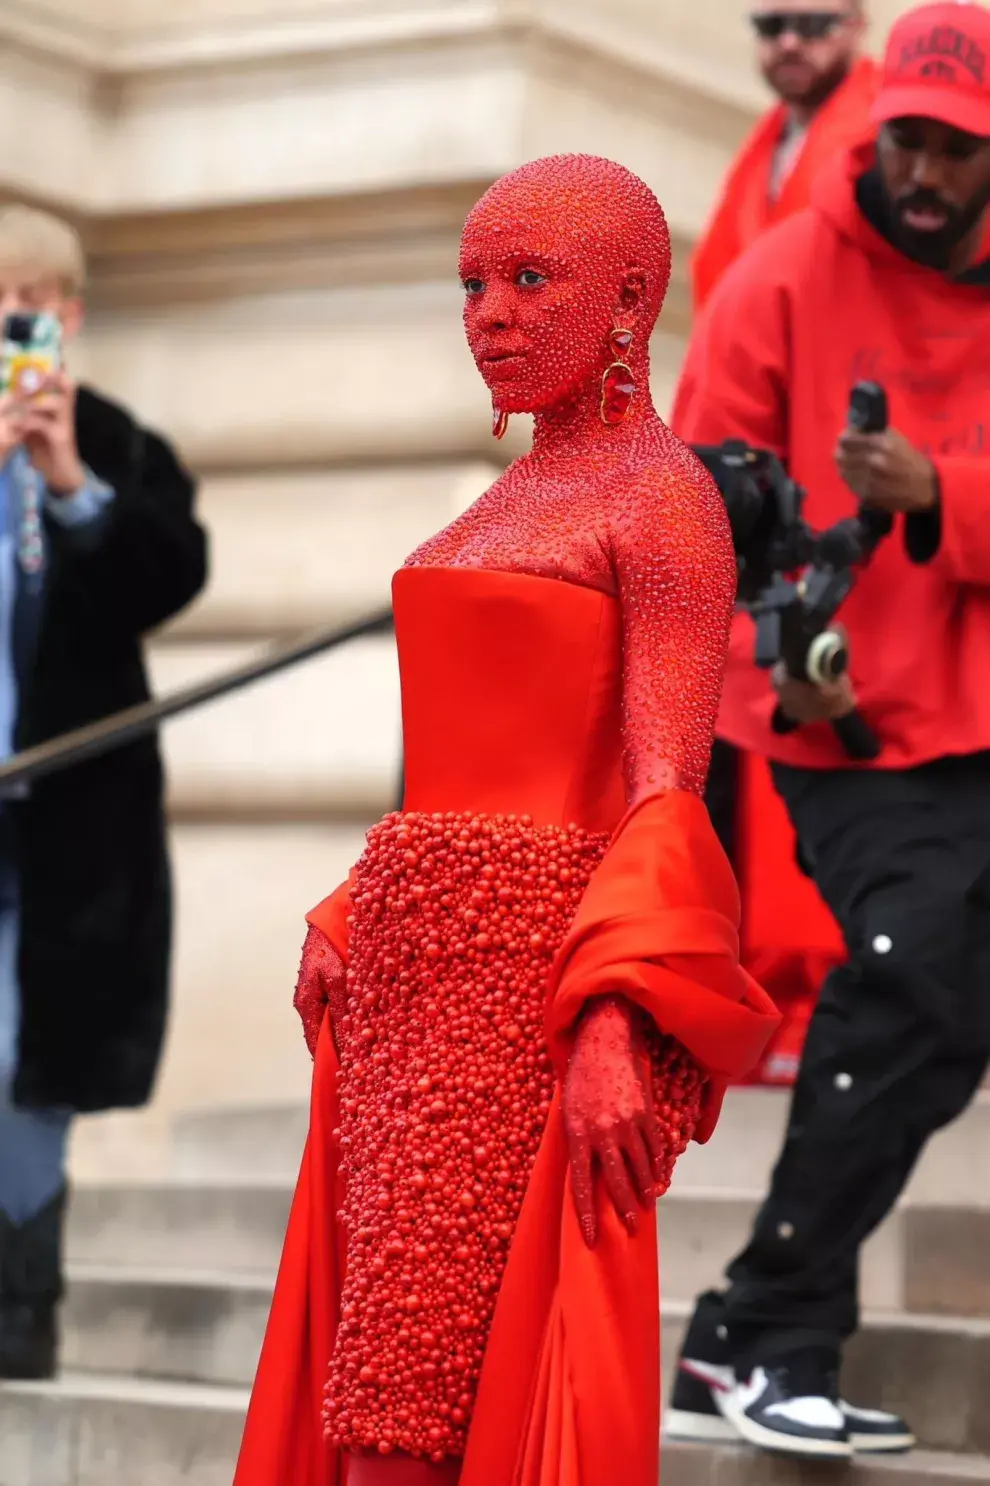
x=474, y=286
x=528, y=278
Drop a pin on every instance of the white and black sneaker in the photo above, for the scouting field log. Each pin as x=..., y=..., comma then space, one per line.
x=700, y=1407
x=791, y=1406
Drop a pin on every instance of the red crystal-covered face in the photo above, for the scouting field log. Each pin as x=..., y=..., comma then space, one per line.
x=545, y=257
x=536, y=324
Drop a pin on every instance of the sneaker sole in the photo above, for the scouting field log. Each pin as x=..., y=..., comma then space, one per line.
x=704, y=1429
x=709, y=1429
x=871, y=1444
x=786, y=1444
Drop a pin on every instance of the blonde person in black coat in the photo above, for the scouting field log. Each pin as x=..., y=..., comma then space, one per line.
x=98, y=545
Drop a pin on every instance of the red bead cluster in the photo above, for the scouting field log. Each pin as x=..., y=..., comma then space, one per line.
x=678, y=1086
x=445, y=1092
x=321, y=976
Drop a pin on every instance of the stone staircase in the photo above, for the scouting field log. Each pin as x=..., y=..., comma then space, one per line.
x=171, y=1281
x=271, y=192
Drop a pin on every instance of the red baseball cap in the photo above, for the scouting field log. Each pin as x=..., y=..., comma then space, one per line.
x=937, y=66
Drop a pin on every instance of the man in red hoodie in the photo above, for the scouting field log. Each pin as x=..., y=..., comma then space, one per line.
x=886, y=278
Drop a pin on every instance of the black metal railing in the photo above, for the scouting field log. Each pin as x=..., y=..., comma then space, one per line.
x=136, y=722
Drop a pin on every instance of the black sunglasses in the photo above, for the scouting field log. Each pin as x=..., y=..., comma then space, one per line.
x=807, y=25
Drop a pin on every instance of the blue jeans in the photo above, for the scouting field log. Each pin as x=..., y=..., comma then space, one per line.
x=32, y=1142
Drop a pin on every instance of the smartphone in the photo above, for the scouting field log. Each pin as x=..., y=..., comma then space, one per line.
x=31, y=351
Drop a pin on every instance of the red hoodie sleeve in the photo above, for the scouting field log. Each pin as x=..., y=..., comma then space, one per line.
x=957, y=537
x=734, y=383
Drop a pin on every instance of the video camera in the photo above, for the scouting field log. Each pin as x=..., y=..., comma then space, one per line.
x=773, y=543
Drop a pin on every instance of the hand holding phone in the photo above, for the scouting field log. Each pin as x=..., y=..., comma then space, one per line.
x=48, y=432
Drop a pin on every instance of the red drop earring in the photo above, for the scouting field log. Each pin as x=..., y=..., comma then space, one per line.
x=618, y=383
x=500, y=422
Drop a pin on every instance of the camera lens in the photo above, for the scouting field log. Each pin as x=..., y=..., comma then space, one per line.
x=828, y=658
x=19, y=329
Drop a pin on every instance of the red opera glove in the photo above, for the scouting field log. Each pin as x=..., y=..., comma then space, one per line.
x=611, y=1090
x=322, y=977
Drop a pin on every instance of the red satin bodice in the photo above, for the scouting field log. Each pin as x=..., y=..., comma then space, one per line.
x=511, y=696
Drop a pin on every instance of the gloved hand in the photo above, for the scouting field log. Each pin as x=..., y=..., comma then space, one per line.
x=322, y=978
x=610, y=1114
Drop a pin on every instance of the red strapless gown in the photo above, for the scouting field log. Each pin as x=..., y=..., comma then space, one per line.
x=514, y=885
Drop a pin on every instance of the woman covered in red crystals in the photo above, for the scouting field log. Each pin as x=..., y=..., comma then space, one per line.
x=527, y=999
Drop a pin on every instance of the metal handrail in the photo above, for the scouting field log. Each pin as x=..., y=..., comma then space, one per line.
x=136, y=722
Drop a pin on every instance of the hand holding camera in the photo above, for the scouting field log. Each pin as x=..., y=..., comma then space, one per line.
x=886, y=472
x=806, y=702
x=794, y=579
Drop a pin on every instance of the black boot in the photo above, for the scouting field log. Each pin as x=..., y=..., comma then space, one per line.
x=30, y=1292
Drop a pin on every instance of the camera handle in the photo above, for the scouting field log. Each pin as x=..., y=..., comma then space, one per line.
x=858, y=739
x=869, y=413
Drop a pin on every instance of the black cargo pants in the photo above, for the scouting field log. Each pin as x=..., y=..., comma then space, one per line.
x=897, y=1047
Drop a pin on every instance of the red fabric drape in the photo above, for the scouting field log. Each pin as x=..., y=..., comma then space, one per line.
x=789, y=940
x=283, y=1439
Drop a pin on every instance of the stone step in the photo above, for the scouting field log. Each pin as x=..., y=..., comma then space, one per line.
x=232, y=1230
x=238, y=1229
x=732, y=1465
x=320, y=740
x=701, y=1231
x=242, y=1141
x=107, y=1431
x=955, y=1169
x=208, y=1328
x=198, y=1328
x=946, y=1261
x=117, y=1431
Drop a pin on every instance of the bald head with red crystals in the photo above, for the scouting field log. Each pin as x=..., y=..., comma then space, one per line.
x=554, y=257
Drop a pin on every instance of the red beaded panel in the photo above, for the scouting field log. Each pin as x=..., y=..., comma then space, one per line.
x=321, y=978
x=445, y=1089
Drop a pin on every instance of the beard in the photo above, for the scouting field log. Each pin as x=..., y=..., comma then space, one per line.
x=810, y=94
x=933, y=249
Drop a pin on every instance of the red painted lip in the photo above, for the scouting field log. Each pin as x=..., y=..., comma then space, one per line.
x=502, y=366
x=500, y=358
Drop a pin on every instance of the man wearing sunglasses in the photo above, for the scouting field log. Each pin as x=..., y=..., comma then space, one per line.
x=809, y=56
x=885, y=278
